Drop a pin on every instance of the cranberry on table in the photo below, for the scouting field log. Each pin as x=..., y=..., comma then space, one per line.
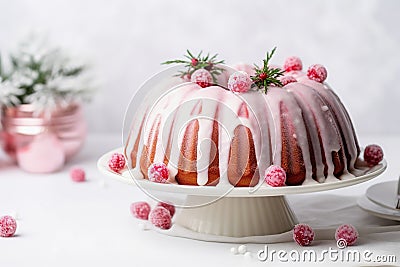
x=168, y=206
x=8, y=226
x=161, y=218
x=303, y=234
x=77, y=174
x=140, y=210
x=348, y=233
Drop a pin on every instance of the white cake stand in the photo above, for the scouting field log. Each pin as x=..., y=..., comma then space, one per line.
x=240, y=212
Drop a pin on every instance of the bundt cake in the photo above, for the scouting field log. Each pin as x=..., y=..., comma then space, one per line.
x=209, y=135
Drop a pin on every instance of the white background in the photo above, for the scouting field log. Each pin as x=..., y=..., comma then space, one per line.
x=358, y=42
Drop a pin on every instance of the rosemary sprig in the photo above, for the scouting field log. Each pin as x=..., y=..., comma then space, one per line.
x=266, y=75
x=193, y=63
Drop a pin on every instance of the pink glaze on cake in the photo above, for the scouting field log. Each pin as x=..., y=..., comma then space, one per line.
x=287, y=79
x=249, y=69
x=211, y=136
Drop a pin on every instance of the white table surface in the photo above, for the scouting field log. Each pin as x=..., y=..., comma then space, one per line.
x=62, y=223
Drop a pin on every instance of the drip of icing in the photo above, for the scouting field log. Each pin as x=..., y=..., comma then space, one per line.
x=342, y=116
x=308, y=104
x=276, y=96
x=320, y=125
x=206, y=121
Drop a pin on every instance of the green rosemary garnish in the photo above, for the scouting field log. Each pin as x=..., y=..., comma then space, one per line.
x=193, y=63
x=266, y=75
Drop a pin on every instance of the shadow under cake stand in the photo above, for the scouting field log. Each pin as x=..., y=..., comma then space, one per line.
x=235, y=211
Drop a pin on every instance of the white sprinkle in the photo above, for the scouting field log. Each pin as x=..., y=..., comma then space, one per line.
x=294, y=136
x=234, y=250
x=247, y=255
x=242, y=249
x=324, y=108
x=142, y=226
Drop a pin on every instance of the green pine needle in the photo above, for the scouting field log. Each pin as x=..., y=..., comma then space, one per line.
x=206, y=62
x=271, y=74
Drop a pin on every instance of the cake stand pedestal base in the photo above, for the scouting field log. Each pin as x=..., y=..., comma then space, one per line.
x=237, y=216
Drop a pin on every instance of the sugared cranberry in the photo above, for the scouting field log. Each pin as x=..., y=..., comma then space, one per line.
x=140, y=210
x=317, y=73
x=287, y=79
x=348, y=233
x=262, y=76
x=373, y=154
x=77, y=174
x=158, y=172
x=202, y=77
x=161, y=218
x=239, y=82
x=8, y=226
x=194, y=62
x=275, y=176
x=303, y=234
x=292, y=63
x=116, y=162
x=168, y=206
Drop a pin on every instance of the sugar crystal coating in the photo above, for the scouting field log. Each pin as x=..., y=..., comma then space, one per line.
x=373, y=154
x=140, y=210
x=348, y=233
x=202, y=77
x=303, y=234
x=161, y=218
x=8, y=226
x=116, y=162
x=275, y=176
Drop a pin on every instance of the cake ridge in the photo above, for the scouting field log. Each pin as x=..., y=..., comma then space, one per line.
x=216, y=137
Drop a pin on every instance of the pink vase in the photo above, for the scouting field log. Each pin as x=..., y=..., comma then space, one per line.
x=42, y=143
